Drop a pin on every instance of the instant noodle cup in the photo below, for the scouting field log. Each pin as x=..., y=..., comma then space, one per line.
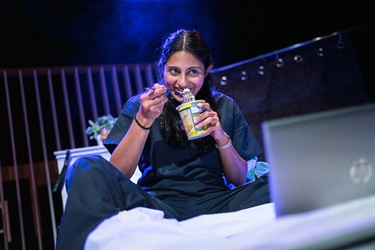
x=187, y=112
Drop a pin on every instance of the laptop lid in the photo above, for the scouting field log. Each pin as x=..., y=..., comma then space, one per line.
x=320, y=159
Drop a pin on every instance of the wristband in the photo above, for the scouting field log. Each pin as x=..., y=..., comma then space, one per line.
x=227, y=145
x=139, y=124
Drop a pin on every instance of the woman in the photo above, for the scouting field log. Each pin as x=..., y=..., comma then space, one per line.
x=183, y=178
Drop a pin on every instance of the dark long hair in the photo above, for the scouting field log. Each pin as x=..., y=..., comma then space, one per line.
x=169, y=120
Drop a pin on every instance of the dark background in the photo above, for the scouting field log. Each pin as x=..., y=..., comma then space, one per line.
x=58, y=33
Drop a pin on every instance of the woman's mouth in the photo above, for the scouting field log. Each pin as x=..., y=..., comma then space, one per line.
x=180, y=93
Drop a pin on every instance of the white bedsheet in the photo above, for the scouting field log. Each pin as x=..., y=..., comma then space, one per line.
x=253, y=228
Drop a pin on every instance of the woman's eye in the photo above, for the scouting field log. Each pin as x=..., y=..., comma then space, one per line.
x=174, y=71
x=193, y=72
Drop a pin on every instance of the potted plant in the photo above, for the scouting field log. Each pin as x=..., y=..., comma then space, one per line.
x=100, y=128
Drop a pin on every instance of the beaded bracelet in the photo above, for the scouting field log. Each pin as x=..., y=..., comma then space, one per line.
x=139, y=124
x=227, y=145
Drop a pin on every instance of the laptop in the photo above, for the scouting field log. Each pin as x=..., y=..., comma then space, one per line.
x=320, y=159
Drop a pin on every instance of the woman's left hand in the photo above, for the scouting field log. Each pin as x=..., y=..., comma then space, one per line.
x=211, y=119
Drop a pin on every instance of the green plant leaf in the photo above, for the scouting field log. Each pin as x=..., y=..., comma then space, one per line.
x=105, y=121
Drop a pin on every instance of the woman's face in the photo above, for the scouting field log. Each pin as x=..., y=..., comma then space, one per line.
x=183, y=70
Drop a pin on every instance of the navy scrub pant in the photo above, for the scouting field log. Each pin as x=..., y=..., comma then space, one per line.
x=97, y=190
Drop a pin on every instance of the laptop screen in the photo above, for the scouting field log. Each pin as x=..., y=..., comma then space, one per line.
x=320, y=159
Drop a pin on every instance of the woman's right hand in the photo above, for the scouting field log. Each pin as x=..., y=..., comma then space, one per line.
x=152, y=103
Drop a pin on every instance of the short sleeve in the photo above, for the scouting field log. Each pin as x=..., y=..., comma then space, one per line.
x=123, y=123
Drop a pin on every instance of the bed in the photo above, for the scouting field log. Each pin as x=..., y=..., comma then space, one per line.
x=345, y=225
x=349, y=224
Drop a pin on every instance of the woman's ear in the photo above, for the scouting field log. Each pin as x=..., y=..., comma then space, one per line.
x=209, y=69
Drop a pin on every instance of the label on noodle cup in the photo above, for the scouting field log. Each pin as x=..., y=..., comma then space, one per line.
x=187, y=113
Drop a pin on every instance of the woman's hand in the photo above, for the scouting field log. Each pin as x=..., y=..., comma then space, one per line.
x=152, y=103
x=211, y=119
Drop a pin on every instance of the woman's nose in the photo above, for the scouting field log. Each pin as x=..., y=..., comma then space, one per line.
x=182, y=81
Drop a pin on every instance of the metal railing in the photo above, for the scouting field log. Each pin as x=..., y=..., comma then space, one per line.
x=46, y=110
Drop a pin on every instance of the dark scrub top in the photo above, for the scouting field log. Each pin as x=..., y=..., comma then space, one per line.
x=183, y=177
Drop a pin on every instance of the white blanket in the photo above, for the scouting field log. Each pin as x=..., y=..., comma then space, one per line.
x=253, y=228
